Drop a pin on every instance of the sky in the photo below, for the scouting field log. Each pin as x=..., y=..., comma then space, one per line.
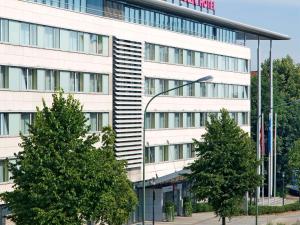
x=282, y=16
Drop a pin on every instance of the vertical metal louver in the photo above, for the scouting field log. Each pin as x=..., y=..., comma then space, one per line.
x=127, y=100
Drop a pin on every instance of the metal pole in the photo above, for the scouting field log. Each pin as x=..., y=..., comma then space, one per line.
x=271, y=121
x=263, y=159
x=258, y=153
x=153, y=215
x=283, y=175
x=258, y=150
x=275, y=154
x=206, y=78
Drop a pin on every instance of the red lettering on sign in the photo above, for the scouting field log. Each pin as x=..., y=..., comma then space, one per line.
x=209, y=4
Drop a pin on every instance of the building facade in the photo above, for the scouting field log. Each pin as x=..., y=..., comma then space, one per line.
x=114, y=56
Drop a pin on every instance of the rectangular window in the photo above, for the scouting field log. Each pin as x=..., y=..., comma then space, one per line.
x=164, y=153
x=178, y=152
x=203, y=119
x=93, y=44
x=4, y=174
x=24, y=34
x=32, y=79
x=163, y=120
x=51, y=80
x=150, y=120
x=33, y=38
x=96, y=83
x=26, y=120
x=191, y=150
x=4, y=37
x=98, y=121
x=150, y=154
x=4, y=77
x=245, y=118
x=4, y=124
x=76, y=82
x=178, y=123
x=190, y=119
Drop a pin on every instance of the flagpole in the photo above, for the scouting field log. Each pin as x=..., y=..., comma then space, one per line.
x=263, y=158
x=275, y=152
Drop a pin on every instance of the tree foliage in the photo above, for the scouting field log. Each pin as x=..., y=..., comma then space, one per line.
x=294, y=159
x=286, y=78
x=62, y=178
x=226, y=166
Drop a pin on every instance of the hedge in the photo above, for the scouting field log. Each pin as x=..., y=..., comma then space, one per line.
x=262, y=210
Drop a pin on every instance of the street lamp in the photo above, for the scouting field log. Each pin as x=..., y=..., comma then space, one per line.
x=203, y=79
x=283, y=176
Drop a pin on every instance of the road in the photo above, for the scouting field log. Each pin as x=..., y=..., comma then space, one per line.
x=210, y=219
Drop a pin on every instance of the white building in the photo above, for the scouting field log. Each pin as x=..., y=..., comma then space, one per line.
x=114, y=55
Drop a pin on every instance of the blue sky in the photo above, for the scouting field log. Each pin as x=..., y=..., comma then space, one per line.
x=282, y=16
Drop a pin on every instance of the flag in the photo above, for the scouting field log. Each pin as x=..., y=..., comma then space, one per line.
x=269, y=136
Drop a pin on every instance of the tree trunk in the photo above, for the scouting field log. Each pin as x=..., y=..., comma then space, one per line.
x=223, y=220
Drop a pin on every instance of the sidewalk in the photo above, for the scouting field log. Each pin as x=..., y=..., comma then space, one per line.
x=210, y=219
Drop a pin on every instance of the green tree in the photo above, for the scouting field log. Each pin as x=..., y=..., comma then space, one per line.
x=62, y=178
x=226, y=166
x=294, y=160
x=286, y=77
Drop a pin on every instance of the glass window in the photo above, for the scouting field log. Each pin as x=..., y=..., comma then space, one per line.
x=164, y=153
x=4, y=77
x=32, y=79
x=245, y=118
x=150, y=121
x=4, y=124
x=76, y=82
x=203, y=119
x=24, y=34
x=190, y=119
x=51, y=80
x=150, y=154
x=98, y=121
x=178, y=152
x=4, y=174
x=190, y=150
x=4, y=37
x=26, y=120
x=93, y=44
x=33, y=35
x=96, y=83
x=163, y=120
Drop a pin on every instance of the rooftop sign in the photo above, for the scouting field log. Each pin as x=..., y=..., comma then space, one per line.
x=208, y=4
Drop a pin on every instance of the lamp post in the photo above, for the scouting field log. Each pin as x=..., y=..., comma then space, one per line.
x=153, y=200
x=283, y=176
x=203, y=79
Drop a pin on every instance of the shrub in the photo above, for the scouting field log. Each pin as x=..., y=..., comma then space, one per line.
x=202, y=207
x=169, y=210
x=262, y=210
x=187, y=207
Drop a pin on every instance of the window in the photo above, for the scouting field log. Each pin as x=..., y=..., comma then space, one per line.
x=150, y=121
x=24, y=34
x=76, y=82
x=245, y=118
x=163, y=120
x=203, y=119
x=191, y=150
x=150, y=154
x=164, y=153
x=178, y=120
x=51, y=80
x=4, y=124
x=4, y=174
x=4, y=32
x=164, y=86
x=97, y=83
x=50, y=37
x=4, y=77
x=178, y=152
x=203, y=90
x=98, y=121
x=190, y=119
x=26, y=120
x=150, y=86
x=179, y=91
x=93, y=44
x=29, y=79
